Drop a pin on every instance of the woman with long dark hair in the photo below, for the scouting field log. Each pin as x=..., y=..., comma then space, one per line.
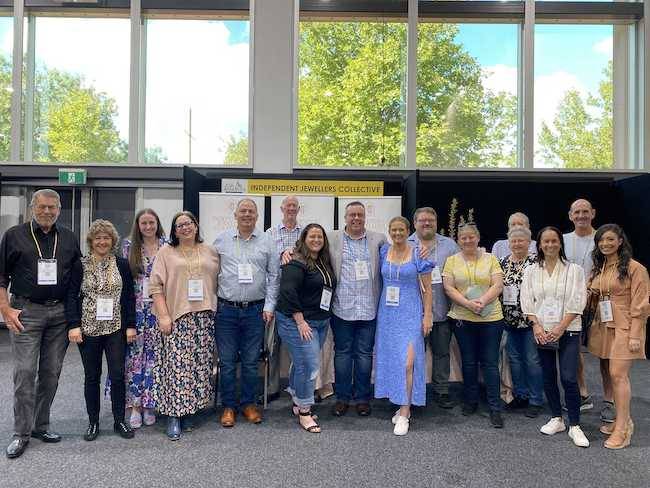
x=303, y=311
x=553, y=296
x=146, y=238
x=617, y=335
x=183, y=288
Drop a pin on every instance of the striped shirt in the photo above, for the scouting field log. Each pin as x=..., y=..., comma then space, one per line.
x=284, y=238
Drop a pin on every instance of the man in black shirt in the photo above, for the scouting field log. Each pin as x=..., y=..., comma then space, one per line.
x=36, y=259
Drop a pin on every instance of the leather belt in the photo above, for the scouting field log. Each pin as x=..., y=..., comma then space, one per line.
x=223, y=301
x=47, y=303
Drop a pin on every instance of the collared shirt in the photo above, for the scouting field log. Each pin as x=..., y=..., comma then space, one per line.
x=578, y=251
x=259, y=251
x=353, y=300
x=444, y=247
x=283, y=237
x=19, y=260
x=501, y=248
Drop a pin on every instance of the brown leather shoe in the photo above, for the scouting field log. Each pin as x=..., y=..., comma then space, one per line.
x=363, y=409
x=340, y=409
x=228, y=417
x=252, y=414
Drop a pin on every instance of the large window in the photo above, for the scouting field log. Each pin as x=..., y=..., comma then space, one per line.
x=352, y=94
x=197, y=91
x=574, y=96
x=6, y=46
x=467, y=95
x=79, y=111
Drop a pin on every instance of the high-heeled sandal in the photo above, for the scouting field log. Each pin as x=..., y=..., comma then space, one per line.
x=608, y=429
x=620, y=440
x=312, y=429
x=295, y=409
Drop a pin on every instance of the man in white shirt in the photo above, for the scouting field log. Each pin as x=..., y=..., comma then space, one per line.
x=578, y=246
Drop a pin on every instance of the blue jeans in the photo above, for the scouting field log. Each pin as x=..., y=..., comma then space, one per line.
x=239, y=333
x=305, y=356
x=479, y=342
x=568, y=358
x=353, y=345
x=525, y=365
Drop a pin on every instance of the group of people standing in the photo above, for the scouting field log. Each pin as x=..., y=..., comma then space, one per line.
x=159, y=307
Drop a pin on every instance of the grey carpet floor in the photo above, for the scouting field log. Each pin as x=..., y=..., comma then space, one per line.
x=443, y=448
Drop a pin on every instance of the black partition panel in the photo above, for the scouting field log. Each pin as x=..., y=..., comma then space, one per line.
x=635, y=219
x=545, y=199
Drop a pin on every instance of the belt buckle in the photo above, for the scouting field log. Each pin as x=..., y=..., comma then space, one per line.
x=244, y=304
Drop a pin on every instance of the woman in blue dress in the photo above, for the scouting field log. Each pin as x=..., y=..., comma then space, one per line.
x=404, y=318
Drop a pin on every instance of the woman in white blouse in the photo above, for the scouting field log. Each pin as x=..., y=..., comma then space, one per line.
x=553, y=296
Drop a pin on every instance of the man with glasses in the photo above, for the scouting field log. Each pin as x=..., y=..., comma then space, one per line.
x=354, y=253
x=437, y=249
x=247, y=293
x=35, y=260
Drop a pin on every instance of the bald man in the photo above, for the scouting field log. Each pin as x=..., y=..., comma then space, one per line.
x=284, y=235
x=578, y=246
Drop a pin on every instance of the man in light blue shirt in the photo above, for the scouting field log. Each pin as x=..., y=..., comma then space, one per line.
x=284, y=235
x=439, y=249
x=248, y=286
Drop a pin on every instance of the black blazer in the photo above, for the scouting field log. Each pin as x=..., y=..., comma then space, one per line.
x=74, y=298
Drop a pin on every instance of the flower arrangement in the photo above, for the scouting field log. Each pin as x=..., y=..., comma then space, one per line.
x=453, y=215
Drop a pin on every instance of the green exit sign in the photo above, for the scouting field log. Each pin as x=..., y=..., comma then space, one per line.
x=72, y=176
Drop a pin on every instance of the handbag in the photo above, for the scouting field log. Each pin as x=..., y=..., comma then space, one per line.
x=589, y=315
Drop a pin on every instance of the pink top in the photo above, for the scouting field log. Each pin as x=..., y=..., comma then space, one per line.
x=171, y=273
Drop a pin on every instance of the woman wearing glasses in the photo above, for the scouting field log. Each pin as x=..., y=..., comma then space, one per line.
x=183, y=286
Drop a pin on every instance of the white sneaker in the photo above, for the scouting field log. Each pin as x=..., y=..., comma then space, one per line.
x=396, y=416
x=578, y=437
x=553, y=426
x=401, y=425
x=135, y=419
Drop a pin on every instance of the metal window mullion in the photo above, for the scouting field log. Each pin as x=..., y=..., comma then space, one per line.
x=30, y=89
x=620, y=73
x=295, y=81
x=142, y=85
x=17, y=80
x=528, y=86
x=251, y=83
x=645, y=119
x=412, y=86
x=134, y=88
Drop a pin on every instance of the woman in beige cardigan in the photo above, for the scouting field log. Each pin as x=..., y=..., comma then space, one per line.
x=183, y=285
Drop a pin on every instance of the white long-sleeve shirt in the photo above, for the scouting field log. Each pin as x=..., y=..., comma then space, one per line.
x=566, y=284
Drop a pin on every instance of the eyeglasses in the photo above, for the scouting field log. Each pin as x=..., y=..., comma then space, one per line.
x=183, y=225
x=425, y=221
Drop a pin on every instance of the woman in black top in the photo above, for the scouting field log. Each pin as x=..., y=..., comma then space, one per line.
x=303, y=312
x=100, y=311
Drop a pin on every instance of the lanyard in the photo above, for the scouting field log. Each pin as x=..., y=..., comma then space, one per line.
x=350, y=242
x=434, y=249
x=328, y=280
x=469, y=276
x=239, y=254
x=38, y=248
x=390, y=268
x=557, y=279
x=609, y=281
x=100, y=274
x=191, y=271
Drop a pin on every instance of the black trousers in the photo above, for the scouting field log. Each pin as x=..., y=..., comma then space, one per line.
x=114, y=346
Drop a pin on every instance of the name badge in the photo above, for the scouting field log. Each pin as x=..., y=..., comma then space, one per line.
x=361, y=270
x=436, y=277
x=104, y=309
x=605, y=309
x=551, y=311
x=46, y=272
x=392, y=296
x=195, y=290
x=145, y=290
x=245, y=273
x=326, y=299
x=510, y=295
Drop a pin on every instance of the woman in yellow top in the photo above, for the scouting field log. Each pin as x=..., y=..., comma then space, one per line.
x=473, y=280
x=618, y=332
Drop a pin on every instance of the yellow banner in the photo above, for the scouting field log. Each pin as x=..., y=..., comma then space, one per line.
x=321, y=187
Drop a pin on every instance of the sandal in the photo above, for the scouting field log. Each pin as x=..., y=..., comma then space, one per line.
x=295, y=409
x=312, y=429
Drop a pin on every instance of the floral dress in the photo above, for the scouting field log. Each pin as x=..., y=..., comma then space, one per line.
x=513, y=274
x=140, y=354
